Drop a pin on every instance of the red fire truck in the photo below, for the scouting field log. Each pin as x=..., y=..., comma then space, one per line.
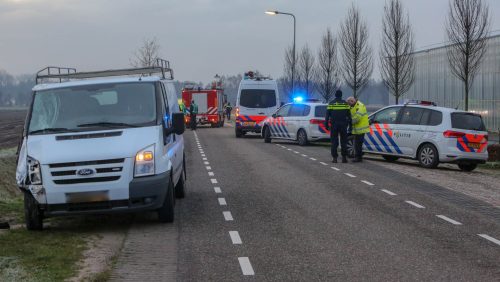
x=210, y=104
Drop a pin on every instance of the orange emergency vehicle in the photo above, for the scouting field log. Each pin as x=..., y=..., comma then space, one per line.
x=210, y=104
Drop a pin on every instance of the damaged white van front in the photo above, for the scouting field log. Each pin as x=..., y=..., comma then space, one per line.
x=101, y=146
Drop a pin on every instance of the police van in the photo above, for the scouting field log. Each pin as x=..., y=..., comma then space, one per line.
x=102, y=142
x=303, y=122
x=257, y=99
x=429, y=134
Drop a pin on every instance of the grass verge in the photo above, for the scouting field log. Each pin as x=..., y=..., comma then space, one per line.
x=491, y=165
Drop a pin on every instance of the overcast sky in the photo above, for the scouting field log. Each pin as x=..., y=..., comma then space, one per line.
x=199, y=37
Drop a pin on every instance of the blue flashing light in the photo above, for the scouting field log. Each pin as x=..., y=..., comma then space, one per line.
x=298, y=99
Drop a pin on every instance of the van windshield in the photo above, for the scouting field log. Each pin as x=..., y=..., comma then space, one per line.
x=93, y=107
x=467, y=121
x=258, y=98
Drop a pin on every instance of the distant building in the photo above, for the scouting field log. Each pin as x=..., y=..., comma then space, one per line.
x=435, y=82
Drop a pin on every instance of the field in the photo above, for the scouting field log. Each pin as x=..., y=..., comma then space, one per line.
x=11, y=127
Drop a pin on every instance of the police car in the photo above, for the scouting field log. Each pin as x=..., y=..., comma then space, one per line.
x=429, y=134
x=301, y=121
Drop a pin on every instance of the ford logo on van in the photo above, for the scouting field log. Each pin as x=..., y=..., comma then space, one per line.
x=85, y=172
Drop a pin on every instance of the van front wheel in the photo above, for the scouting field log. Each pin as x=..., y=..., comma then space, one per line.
x=166, y=212
x=32, y=213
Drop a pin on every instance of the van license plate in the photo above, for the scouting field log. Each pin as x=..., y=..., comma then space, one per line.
x=476, y=146
x=87, y=197
x=249, y=123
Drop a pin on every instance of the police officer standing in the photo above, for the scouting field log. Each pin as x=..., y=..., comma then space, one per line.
x=360, y=126
x=338, y=114
x=193, y=109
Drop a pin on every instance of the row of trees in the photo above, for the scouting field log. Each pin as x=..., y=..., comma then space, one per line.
x=348, y=57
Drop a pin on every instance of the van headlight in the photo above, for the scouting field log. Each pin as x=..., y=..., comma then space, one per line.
x=145, y=162
x=34, y=172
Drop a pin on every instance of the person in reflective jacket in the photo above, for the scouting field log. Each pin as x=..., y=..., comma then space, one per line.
x=360, y=126
x=338, y=119
x=193, y=110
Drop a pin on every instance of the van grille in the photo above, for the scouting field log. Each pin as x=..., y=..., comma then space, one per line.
x=88, y=136
x=104, y=171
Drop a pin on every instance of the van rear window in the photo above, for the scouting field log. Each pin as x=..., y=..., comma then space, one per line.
x=258, y=98
x=320, y=111
x=467, y=121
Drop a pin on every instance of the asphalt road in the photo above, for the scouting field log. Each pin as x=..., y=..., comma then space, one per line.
x=281, y=212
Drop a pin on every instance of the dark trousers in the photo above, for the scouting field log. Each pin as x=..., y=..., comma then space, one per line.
x=339, y=131
x=359, y=139
x=228, y=113
x=193, y=121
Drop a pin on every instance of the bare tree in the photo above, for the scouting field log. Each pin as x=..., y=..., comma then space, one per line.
x=357, y=61
x=396, y=52
x=327, y=67
x=146, y=55
x=288, y=68
x=306, y=69
x=467, y=29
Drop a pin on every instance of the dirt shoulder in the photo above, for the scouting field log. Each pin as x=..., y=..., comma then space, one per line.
x=482, y=184
x=11, y=127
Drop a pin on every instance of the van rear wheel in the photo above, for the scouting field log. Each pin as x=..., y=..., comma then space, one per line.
x=467, y=167
x=32, y=213
x=166, y=212
x=180, y=188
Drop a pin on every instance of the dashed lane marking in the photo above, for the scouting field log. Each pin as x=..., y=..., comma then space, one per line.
x=334, y=168
x=209, y=168
x=350, y=175
x=210, y=173
x=235, y=237
x=217, y=190
x=246, y=266
x=228, y=216
x=206, y=163
x=415, y=204
x=222, y=202
x=214, y=181
x=203, y=155
x=305, y=156
x=312, y=159
x=289, y=149
x=452, y=221
x=323, y=163
x=489, y=238
x=388, y=192
x=367, y=183
x=205, y=159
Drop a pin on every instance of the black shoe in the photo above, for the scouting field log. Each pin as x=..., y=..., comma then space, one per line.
x=334, y=160
x=357, y=160
x=344, y=160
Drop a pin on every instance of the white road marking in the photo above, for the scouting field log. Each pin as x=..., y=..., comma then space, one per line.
x=489, y=238
x=305, y=156
x=235, y=237
x=323, y=163
x=203, y=155
x=222, y=202
x=207, y=163
x=388, y=192
x=217, y=190
x=214, y=181
x=312, y=159
x=289, y=149
x=350, y=175
x=367, y=183
x=210, y=173
x=205, y=159
x=452, y=221
x=227, y=216
x=246, y=266
x=334, y=168
x=209, y=168
x=415, y=204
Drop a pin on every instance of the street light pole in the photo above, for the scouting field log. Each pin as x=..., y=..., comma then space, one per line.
x=272, y=13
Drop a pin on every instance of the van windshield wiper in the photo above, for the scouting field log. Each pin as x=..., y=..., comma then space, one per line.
x=52, y=130
x=107, y=124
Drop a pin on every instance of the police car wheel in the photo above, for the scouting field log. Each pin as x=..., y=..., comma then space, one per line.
x=428, y=156
x=350, y=146
x=32, y=214
x=302, y=137
x=467, y=167
x=267, y=135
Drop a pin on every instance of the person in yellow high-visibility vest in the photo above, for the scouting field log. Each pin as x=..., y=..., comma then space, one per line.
x=360, y=126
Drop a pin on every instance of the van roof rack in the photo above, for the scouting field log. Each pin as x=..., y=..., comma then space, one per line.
x=66, y=74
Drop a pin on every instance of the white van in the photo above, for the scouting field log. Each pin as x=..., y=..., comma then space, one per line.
x=258, y=98
x=97, y=144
